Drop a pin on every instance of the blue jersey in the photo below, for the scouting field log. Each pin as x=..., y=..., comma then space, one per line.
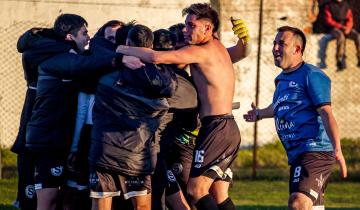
x=297, y=96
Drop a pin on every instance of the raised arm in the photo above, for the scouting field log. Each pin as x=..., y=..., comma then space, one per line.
x=243, y=47
x=186, y=55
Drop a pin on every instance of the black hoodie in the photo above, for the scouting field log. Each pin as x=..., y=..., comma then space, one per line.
x=51, y=126
x=36, y=45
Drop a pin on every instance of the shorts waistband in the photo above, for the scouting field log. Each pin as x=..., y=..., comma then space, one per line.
x=214, y=117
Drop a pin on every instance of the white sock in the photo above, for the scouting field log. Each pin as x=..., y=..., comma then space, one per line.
x=318, y=207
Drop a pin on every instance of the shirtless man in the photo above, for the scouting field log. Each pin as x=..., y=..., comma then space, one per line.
x=214, y=77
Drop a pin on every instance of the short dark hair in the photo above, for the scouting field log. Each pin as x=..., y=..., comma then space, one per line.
x=141, y=36
x=297, y=33
x=111, y=23
x=122, y=33
x=68, y=24
x=177, y=30
x=164, y=40
x=203, y=11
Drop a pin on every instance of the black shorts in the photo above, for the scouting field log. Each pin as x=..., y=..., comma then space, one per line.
x=49, y=171
x=179, y=161
x=26, y=191
x=216, y=147
x=105, y=184
x=309, y=174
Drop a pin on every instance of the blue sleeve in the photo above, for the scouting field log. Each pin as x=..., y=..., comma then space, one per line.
x=319, y=88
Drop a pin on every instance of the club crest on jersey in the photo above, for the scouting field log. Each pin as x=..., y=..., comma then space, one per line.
x=197, y=165
x=57, y=171
x=171, y=176
x=293, y=84
x=320, y=181
x=30, y=191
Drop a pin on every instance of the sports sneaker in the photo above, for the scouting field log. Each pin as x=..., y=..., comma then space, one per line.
x=322, y=65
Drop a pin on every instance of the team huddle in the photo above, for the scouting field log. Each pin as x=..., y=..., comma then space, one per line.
x=136, y=119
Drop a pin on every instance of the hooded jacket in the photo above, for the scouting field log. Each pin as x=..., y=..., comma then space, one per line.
x=36, y=45
x=128, y=107
x=51, y=126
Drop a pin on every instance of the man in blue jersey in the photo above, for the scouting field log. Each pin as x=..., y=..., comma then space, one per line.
x=304, y=121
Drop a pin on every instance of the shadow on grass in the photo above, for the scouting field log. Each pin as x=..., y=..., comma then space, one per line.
x=250, y=207
x=7, y=207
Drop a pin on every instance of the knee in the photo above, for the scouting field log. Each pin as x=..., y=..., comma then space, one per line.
x=298, y=201
x=294, y=204
x=195, y=192
x=142, y=206
x=341, y=38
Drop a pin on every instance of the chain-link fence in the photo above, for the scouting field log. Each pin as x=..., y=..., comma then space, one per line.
x=13, y=87
x=345, y=84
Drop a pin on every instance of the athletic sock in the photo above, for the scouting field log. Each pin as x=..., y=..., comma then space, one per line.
x=206, y=203
x=318, y=207
x=227, y=205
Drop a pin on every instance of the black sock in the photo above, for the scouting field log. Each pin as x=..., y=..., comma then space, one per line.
x=227, y=205
x=206, y=203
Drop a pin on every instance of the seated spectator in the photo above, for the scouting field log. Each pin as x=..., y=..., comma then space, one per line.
x=339, y=18
x=319, y=26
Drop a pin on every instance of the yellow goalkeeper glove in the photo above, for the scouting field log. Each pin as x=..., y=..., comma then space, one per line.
x=240, y=29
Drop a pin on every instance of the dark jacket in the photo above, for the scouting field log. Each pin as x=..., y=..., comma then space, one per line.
x=320, y=25
x=128, y=107
x=36, y=45
x=52, y=123
x=339, y=15
x=181, y=118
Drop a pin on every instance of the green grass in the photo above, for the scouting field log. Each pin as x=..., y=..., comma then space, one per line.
x=268, y=192
x=8, y=185
x=272, y=162
x=274, y=194
x=261, y=195
x=8, y=189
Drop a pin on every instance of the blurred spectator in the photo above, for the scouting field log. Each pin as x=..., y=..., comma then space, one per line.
x=339, y=18
x=319, y=26
x=317, y=16
x=355, y=7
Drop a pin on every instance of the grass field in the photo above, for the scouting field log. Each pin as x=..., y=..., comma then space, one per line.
x=269, y=192
x=247, y=195
x=273, y=195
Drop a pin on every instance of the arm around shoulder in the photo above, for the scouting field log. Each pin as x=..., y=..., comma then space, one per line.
x=185, y=55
